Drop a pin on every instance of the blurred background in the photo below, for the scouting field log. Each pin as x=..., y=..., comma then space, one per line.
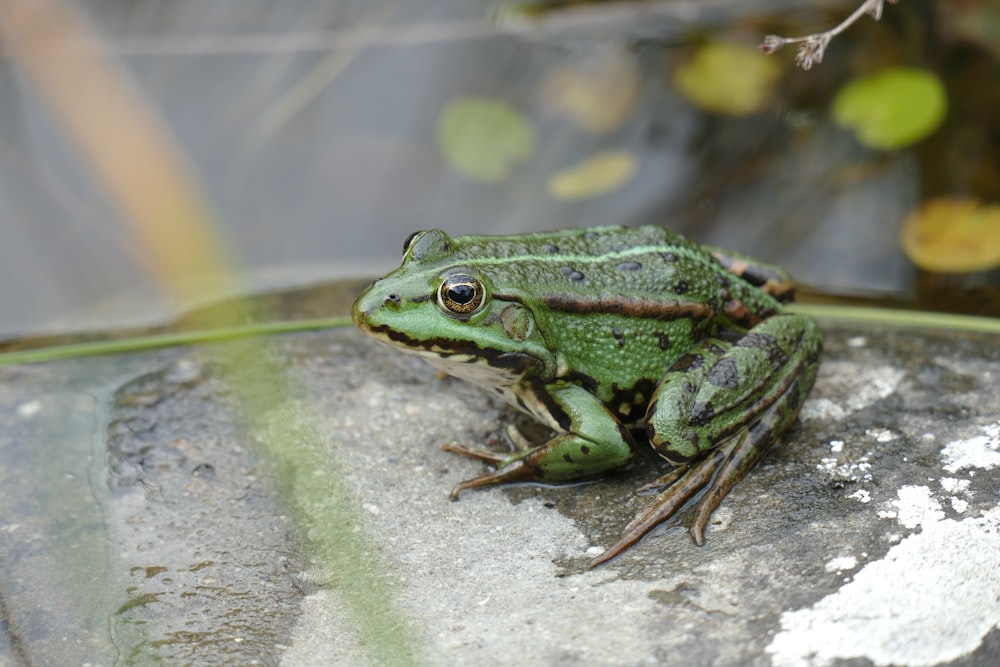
x=149, y=148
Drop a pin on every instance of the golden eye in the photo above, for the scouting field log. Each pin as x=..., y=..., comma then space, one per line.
x=461, y=294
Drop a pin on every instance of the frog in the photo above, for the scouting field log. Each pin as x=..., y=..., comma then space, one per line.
x=609, y=336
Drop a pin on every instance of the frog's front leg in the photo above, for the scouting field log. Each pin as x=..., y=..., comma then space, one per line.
x=593, y=441
x=717, y=411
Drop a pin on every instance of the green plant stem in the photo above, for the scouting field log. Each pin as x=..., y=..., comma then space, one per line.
x=899, y=318
x=140, y=343
x=825, y=313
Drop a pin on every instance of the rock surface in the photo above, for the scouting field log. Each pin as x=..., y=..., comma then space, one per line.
x=141, y=518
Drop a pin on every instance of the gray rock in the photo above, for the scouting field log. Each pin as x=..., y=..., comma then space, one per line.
x=143, y=516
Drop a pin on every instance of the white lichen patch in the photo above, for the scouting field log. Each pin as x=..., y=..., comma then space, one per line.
x=914, y=506
x=862, y=496
x=930, y=600
x=841, y=564
x=857, y=390
x=957, y=487
x=872, y=385
x=954, y=485
x=880, y=434
x=848, y=471
x=821, y=408
x=982, y=451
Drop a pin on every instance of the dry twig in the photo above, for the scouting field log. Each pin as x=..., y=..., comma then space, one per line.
x=812, y=47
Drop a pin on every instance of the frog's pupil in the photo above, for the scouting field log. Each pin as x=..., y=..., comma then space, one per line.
x=462, y=293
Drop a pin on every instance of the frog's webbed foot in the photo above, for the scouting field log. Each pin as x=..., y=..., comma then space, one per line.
x=719, y=471
x=595, y=443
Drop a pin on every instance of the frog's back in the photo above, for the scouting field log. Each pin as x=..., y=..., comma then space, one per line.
x=618, y=305
x=648, y=263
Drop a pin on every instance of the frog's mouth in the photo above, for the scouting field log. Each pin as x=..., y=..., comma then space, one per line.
x=462, y=358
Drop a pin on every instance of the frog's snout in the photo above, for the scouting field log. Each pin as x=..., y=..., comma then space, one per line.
x=371, y=303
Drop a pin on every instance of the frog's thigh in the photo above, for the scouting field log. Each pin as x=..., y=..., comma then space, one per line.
x=722, y=386
x=595, y=441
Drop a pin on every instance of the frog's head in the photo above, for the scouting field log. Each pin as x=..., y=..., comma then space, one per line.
x=439, y=305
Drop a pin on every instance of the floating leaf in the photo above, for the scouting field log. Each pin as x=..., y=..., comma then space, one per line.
x=953, y=236
x=599, y=93
x=893, y=108
x=728, y=79
x=483, y=138
x=593, y=177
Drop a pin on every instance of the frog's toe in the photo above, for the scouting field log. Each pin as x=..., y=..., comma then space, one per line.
x=660, y=484
x=473, y=453
x=517, y=471
x=686, y=482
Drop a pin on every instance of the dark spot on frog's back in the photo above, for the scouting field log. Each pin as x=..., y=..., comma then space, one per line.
x=669, y=256
x=688, y=362
x=682, y=287
x=619, y=336
x=551, y=249
x=725, y=374
x=701, y=414
x=765, y=342
x=757, y=341
x=663, y=340
x=629, y=266
x=571, y=273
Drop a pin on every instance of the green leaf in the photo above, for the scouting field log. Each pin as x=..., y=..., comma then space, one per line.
x=483, y=138
x=893, y=108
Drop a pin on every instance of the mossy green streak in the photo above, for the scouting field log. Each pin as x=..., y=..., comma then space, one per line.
x=596, y=331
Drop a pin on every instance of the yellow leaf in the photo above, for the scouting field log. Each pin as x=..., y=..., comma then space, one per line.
x=728, y=78
x=593, y=177
x=953, y=235
x=599, y=94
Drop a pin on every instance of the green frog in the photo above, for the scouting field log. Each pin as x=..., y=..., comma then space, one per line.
x=600, y=333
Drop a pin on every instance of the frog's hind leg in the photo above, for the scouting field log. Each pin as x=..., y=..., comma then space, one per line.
x=718, y=410
x=720, y=471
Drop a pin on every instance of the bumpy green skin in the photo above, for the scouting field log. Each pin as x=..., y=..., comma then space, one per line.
x=596, y=330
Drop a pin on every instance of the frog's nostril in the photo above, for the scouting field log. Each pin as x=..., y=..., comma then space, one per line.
x=392, y=298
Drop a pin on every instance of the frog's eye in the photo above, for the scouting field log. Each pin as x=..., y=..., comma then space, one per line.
x=409, y=241
x=461, y=294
